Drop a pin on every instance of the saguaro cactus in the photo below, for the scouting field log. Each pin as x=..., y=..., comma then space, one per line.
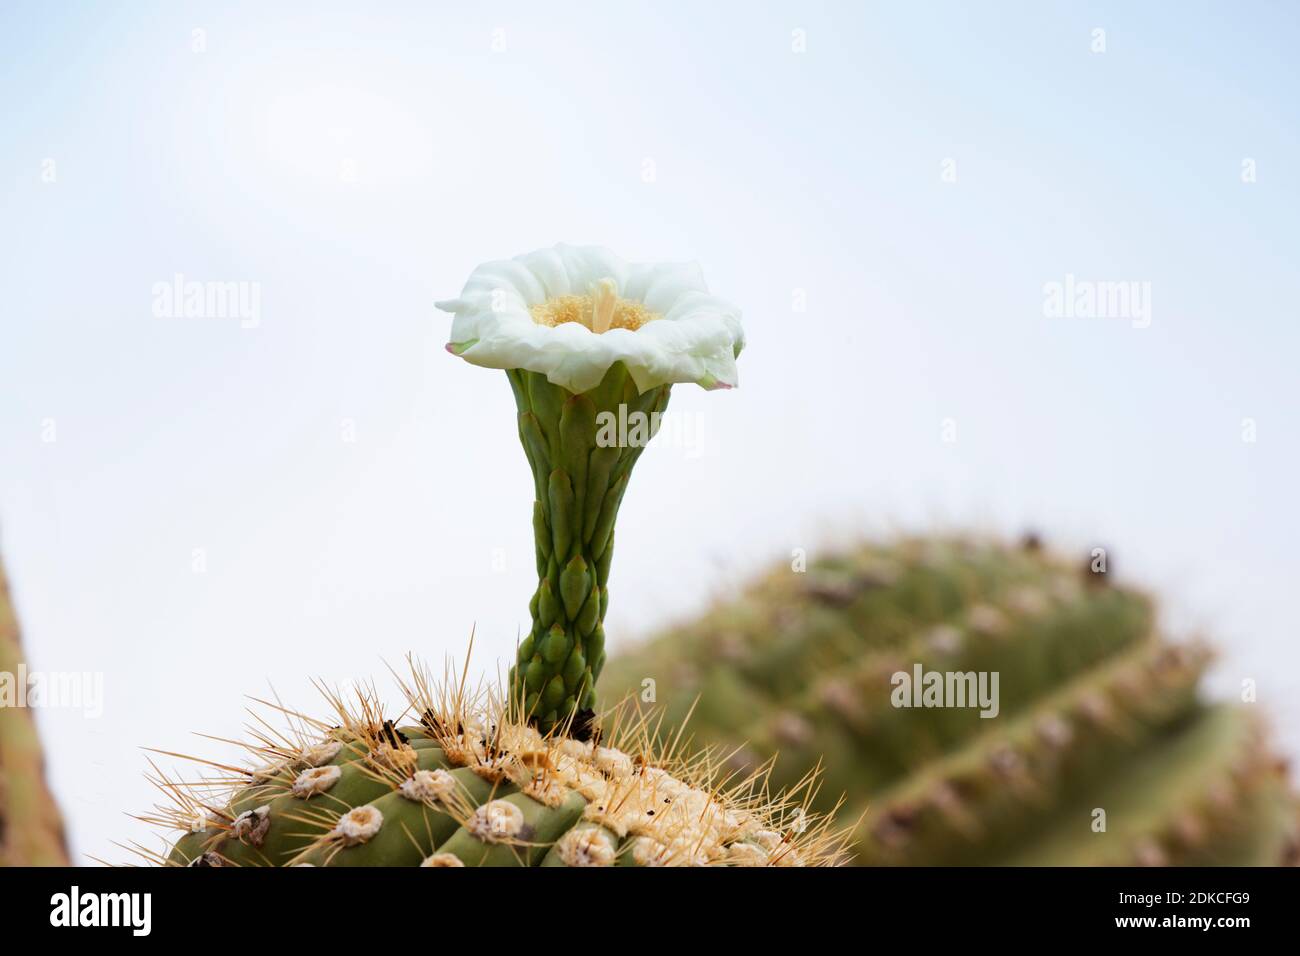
x=533, y=777
x=1101, y=750
x=31, y=831
x=468, y=784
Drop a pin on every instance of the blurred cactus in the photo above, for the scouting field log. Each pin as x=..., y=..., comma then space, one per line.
x=31, y=832
x=1101, y=751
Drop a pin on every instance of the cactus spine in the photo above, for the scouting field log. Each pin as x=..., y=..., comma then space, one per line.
x=1101, y=750
x=468, y=784
x=31, y=830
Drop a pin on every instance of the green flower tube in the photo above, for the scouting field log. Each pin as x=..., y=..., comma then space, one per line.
x=592, y=347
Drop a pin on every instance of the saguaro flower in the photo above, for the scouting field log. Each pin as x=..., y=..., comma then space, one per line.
x=591, y=346
x=586, y=340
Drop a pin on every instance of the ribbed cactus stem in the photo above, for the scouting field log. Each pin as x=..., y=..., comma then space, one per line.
x=581, y=448
x=470, y=786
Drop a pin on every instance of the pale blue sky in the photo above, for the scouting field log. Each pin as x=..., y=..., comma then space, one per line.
x=778, y=171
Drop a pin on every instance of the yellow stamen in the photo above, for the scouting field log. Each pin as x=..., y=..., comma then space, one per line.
x=599, y=311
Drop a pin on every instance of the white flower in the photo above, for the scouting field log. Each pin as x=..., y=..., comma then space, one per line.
x=573, y=311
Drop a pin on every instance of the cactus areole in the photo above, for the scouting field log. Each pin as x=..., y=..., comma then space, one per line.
x=592, y=346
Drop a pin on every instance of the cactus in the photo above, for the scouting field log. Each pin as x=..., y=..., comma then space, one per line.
x=467, y=783
x=532, y=775
x=1101, y=752
x=31, y=830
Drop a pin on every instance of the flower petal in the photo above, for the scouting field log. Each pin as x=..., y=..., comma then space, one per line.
x=696, y=338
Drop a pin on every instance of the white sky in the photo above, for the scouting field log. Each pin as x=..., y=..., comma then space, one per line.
x=357, y=165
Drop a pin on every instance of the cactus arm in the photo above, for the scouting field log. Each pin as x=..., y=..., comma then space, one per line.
x=800, y=664
x=31, y=830
x=1035, y=642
